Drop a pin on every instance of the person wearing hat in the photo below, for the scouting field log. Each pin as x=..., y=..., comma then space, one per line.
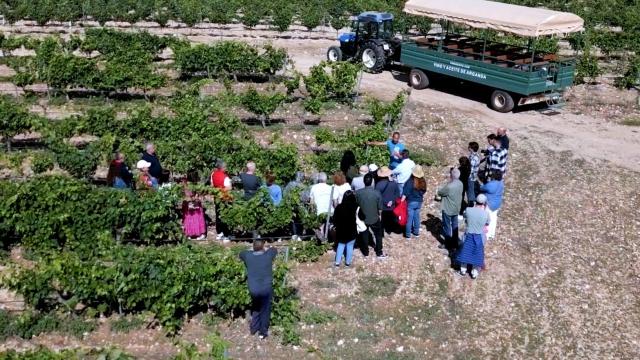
x=471, y=253
x=145, y=180
x=358, y=182
x=413, y=193
x=373, y=170
x=390, y=193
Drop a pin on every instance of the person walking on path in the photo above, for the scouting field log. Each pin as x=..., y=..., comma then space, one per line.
x=370, y=201
x=344, y=220
x=471, y=253
x=494, y=190
x=155, y=169
x=390, y=193
x=259, y=265
x=413, y=193
x=403, y=170
x=451, y=196
x=474, y=161
x=250, y=182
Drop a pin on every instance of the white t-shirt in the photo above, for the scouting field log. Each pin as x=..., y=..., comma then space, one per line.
x=321, y=197
x=403, y=170
x=338, y=192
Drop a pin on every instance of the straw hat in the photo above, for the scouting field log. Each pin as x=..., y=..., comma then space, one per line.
x=417, y=171
x=384, y=172
x=143, y=164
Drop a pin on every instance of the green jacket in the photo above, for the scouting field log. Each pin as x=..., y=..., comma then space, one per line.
x=451, y=194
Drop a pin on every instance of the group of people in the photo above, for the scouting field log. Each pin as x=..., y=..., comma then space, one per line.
x=474, y=192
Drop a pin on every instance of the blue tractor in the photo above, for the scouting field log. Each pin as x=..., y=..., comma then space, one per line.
x=371, y=41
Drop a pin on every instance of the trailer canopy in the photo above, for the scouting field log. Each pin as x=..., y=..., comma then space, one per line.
x=482, y=14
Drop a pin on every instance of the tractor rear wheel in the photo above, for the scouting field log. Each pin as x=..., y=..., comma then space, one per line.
x=373, y=58
x=334, y=54
x=418, y=79
x=501, y=101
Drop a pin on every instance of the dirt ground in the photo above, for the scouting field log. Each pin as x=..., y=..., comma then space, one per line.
x=561, y=278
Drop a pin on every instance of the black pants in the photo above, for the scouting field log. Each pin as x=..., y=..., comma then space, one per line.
x=261, y=311
x=390, y=222
x=365, y=238
x=221, y=227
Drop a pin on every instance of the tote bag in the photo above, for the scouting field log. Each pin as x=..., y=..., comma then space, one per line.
x=401, y=211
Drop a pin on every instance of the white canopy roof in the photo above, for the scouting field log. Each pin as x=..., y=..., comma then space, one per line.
x=482, y=14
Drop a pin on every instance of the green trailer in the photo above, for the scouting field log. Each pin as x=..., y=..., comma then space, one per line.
x=515, y=75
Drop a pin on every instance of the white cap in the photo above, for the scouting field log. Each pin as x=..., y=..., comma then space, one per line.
x=373, y=167
x=143, y=164
x=481, y=199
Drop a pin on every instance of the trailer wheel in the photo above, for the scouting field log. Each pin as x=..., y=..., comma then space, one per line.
x=501, y=101
x=418, y=79
x=334, y=54
x=373, y=58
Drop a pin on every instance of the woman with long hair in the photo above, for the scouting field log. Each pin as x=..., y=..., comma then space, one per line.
x=413, y=192
x=348, y=165
x=344, y=221
x=341, y=186
x=119, y=175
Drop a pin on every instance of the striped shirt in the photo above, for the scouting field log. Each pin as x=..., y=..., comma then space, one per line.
x=474, y=159
x=498, y=160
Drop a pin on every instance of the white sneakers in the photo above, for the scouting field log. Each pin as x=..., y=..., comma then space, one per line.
x=221, y=237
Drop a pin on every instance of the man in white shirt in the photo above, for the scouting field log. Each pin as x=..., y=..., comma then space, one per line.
x=321, y=194
x=403, y=171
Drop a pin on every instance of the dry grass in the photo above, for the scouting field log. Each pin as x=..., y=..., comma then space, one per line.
x=631, y=121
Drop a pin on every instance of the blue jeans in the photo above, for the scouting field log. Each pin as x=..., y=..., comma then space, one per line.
x=471, y=191
x=449, y=223
x=401, y=187
x=340, y=251
x=413, y=218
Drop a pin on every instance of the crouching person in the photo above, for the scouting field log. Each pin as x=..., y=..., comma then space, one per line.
x=259, y=264
x=471, y=253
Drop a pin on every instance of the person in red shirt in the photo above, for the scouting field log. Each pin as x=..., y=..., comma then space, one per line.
x=220, y=180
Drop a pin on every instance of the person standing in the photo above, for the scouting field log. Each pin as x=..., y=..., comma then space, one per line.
x=451, y=195
x=358, y=182
x=370, y=201
x=414, y=190
x=259, y=265
x=275, y=191
x=344, y=220
x=320, y=195
x=395, y=147
x=297, y=183
x=474, y=161
x=250, y=182
x=403, y=170
x=348, y=165
x=340, y=187
x=494, y=190
x=220, y=180
x=145, y=180
x=193, y=223
x=464, y=165
x=498, y=157
x=390, y=193
x=155, y=169
x=119, y=175
x=471, y=254
x=501, y=134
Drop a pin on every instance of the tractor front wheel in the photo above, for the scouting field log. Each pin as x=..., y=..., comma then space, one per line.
x=373, y=58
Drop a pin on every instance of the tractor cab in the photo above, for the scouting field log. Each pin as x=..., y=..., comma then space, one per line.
x=369, y=30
